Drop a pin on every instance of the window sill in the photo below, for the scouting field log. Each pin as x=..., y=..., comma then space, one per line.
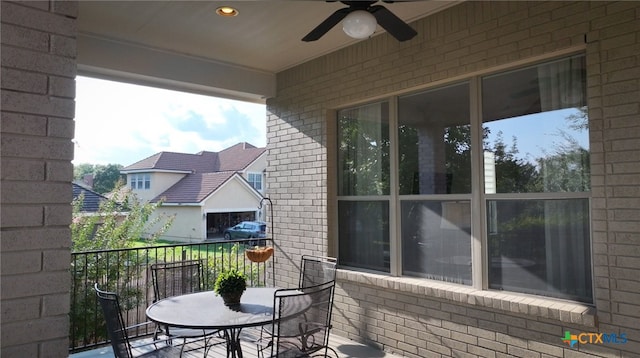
x=535, y=306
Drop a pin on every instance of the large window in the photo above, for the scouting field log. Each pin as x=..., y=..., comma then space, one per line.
x=140, y=181
x=519, y=157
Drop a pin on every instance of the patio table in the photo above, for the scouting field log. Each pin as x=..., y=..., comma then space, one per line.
x=207, y=311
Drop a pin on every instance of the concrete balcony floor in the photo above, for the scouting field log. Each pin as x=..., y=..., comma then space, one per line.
x=344, y=347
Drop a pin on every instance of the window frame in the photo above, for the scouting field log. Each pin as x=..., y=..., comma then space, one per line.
x=252, y=183
x=384, y=196
x=478, y=197
x=142, y=181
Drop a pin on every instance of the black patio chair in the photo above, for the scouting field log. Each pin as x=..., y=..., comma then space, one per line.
x=305, y=334
x=179, y=278
x=176, y=278
x=316, y=270
x=117, y=331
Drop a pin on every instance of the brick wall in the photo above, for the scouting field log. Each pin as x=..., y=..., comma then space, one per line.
x=423, y=319
x=38, y=88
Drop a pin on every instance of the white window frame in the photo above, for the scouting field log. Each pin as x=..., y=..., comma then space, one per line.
x=140, y=181
x=478, y=197
x=253, y=182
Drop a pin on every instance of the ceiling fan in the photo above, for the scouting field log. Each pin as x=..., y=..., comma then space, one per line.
x=360, y=19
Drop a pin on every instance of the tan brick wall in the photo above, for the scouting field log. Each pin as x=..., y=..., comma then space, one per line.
x=411, y=317
x=38, y=90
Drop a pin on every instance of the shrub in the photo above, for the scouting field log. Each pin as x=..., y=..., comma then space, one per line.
x=229, y=281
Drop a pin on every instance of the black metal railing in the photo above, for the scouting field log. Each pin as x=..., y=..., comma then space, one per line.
x=127, y=272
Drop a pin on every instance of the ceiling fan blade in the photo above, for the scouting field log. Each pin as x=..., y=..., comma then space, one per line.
x=393, y=24
x=359, y=5
x=327, y=24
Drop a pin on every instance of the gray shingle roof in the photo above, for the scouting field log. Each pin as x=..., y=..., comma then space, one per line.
x=91, y=201
x=238, y=157
x=235, y=158
x=194, y=187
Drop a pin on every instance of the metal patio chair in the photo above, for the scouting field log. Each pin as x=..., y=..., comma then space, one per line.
x=303, y=335
x=316, y=270
x=179, y=278
x=117, y=331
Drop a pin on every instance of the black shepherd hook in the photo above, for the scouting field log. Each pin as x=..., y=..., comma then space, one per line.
x=273, y=237
x=271, y=212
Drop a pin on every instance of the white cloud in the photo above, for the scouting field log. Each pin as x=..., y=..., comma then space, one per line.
x=122, y=123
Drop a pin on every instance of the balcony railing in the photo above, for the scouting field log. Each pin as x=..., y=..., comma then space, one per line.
x=127, y=272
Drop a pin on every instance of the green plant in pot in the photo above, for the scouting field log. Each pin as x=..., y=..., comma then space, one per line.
x=230, y=284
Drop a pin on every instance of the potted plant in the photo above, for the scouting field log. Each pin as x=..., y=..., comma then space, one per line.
x=230, y=284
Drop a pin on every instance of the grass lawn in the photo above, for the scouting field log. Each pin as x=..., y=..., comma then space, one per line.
x=211, y=251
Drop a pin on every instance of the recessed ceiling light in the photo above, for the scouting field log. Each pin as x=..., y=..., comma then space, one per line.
x=226, y=11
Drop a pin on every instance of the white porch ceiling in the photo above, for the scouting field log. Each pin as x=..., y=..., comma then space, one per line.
x=184, y=45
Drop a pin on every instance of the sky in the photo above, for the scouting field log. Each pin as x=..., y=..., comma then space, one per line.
x=118, y=123
x=537, y=134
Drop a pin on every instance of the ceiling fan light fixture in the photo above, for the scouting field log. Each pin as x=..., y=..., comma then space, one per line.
x=226, y=11
x=359, y=24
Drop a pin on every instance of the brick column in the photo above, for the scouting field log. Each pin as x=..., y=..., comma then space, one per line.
x=38, y=90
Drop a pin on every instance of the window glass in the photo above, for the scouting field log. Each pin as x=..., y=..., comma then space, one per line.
x=434, y=142
x=140, y=181
x=535, y=127
x=536, y=140
x=255, y=179
x=363, y=150
x=540, y=247
x=436, y=240
x=364, y=234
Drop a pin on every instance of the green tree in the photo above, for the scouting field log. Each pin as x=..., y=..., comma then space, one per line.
x=513, y=174
x=80, y=170
x=408, y=164
x=580, y=120
x=457, y=141
x=567, y=168
x=457, y=156
x=119, y=222
x=105, y=177
x=364, y=156
x=567, y=171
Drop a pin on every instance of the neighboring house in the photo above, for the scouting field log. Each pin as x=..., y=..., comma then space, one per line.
x=206, y=192
x=90, y=201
